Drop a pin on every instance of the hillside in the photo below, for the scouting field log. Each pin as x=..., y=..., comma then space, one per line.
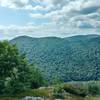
x=74, y=58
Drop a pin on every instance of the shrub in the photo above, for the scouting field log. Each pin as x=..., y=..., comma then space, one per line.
x=58, y=95
x=94, y=89
x=58, y=92
x=58, y=89
x=77, y=90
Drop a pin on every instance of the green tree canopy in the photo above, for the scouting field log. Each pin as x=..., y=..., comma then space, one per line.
x=16, y=74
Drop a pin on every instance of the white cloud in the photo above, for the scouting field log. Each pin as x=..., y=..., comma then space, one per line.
x=14, y=3
x=55, y=2
x=66, y=16
x=24, y=5
x=43, y=30
x=38, y=8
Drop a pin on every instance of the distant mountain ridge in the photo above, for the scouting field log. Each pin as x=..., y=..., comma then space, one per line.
x=75, y=58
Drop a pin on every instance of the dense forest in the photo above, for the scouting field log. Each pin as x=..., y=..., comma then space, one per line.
x=74, y=58
x=24, y=76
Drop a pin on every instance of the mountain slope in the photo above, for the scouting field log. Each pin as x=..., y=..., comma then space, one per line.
x=68, y=59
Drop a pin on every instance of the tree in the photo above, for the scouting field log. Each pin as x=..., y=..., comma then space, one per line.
x=16, y=74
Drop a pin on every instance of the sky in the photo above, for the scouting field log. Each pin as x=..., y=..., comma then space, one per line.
x=43, y=18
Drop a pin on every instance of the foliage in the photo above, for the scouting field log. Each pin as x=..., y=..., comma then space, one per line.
x=16, y=75
x=56, y=80
x=75, y=89
x=94, y=89
x=70, y=59
x=57, y=91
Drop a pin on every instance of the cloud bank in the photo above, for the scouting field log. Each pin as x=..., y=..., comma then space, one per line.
x=65, y=17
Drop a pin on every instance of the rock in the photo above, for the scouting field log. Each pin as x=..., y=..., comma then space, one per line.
x=33, y=98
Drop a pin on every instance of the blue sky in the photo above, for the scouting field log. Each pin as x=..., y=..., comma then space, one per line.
x=42, y=18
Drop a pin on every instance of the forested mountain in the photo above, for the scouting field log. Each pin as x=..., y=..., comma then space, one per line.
x=67, y=59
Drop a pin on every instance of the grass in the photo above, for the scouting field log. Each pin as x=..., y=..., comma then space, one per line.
x=66, y=91
x=67, y=97
x=9, y=98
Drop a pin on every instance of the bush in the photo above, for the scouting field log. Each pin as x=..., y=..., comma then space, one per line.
x=58, y=92
x=77, y=90
x=58, y=95
x=94, y=89
x=58, y=89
